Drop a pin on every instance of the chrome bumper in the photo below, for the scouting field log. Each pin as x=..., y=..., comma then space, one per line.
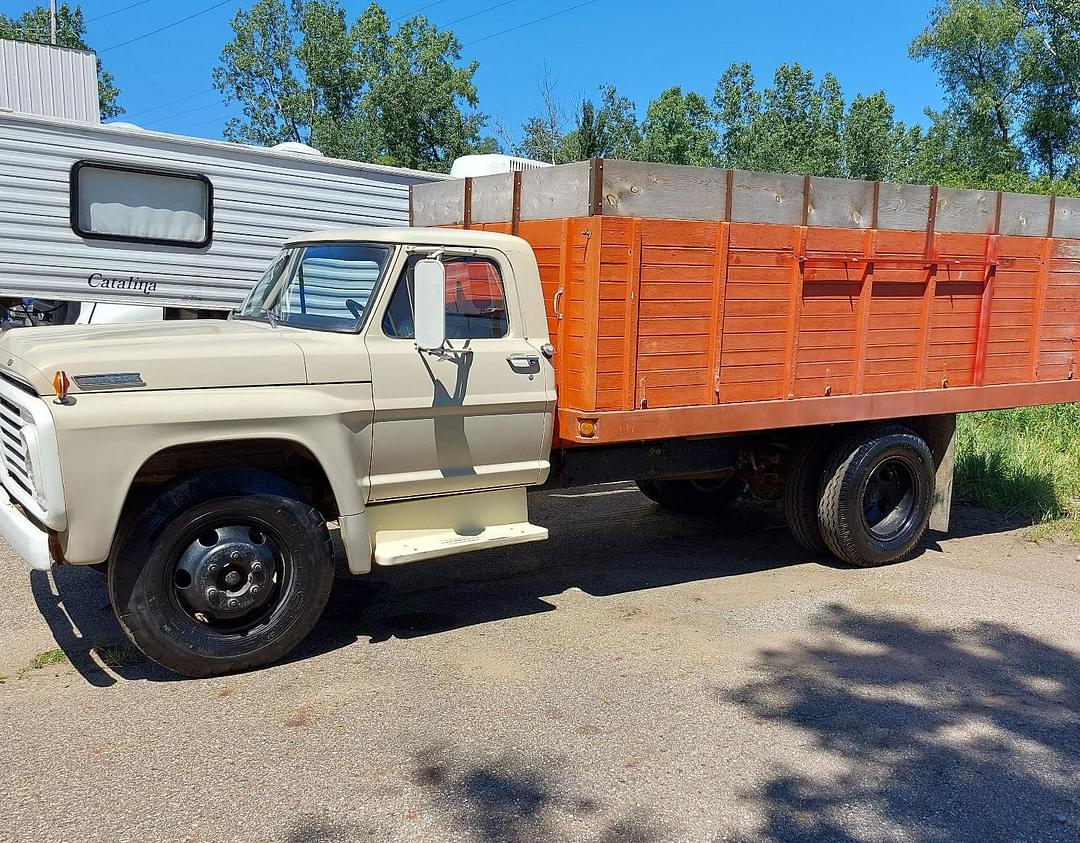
x=25, y=537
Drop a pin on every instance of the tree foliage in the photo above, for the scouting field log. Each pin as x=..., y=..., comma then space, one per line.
x=35, y=25
x=678, y=128
x=302, y=72
x=608, y=129
x=1011, y=70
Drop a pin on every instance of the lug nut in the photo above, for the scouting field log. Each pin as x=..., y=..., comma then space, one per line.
x=255, y=589
x=213, y=569
x=256, y=568
x=212, y=594
x=236, y=555
x=234, y=603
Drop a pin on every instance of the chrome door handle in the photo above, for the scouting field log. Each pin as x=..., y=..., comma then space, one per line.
x=524, y=362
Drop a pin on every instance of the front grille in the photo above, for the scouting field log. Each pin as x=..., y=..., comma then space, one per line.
x=11, y=446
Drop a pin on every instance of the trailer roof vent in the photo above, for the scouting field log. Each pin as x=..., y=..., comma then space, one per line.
x=125, y=127
x=489, y=165
x=297, y=149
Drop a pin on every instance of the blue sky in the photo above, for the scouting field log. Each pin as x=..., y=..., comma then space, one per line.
x=640, y=46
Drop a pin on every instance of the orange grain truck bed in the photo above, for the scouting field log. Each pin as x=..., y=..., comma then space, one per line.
x=687, y=301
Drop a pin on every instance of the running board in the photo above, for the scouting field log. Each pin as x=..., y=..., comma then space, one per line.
x=396, y=547
x=426, y=528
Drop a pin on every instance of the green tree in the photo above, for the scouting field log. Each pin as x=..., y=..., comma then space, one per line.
x=302, y=72
x=35, y=25
x=795, y=126
x=678, y=129
x=607, y=130
x=875, y=146
x=420, y=99
x=982, y=51
x=543, y=134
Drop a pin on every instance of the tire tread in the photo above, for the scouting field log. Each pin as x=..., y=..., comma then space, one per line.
x=836, y=533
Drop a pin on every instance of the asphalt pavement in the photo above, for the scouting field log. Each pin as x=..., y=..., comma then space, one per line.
x=639, y=677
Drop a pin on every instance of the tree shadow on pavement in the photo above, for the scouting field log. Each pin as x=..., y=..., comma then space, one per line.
x=939, y=734
x=510, y=800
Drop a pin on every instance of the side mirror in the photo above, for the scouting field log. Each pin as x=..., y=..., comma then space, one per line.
x=429, y=314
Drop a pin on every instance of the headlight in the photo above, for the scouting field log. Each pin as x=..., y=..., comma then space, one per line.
x=28, y=437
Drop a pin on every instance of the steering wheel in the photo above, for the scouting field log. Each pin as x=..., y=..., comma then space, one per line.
x=355, y=308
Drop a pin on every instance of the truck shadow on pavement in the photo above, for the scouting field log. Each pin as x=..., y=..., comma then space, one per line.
x=958, y=734
x=602, y=551
x=604, y=541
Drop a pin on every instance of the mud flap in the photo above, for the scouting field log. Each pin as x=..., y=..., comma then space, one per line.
x=940, y=435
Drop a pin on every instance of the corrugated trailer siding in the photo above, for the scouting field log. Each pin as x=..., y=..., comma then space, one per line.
x=261, y=198
x=47, y=80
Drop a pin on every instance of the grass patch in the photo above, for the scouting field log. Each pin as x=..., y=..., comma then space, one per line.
x=47, y=658
x=1024, y=461
x=118, y=653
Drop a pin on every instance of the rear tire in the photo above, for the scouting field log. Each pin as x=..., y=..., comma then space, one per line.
x=648, y=489
x=876, y=496
x=694, y=497
x=802, y=486
x=222, y=585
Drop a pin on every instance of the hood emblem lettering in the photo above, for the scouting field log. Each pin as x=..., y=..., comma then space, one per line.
x=109, y=380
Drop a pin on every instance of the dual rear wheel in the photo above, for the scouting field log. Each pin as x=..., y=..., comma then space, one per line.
x=866, y=498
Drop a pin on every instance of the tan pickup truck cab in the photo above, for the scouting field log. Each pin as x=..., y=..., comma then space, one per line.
x=394, y=381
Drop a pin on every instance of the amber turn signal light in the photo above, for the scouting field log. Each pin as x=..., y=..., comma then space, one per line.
x=61, y=384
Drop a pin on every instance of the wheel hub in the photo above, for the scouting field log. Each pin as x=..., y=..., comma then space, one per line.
x=889, y=499
x=226, y=572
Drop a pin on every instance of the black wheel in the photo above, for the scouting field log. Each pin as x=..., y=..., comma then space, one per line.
x=877, y=492
x=222, y=585
x=695, y=497
x=648, y=489
x=802, y=485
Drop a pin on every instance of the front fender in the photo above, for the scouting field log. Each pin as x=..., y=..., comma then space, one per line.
x=104, y=439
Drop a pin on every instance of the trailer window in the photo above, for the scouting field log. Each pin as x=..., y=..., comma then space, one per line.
x=113, y=202
x=475, y=303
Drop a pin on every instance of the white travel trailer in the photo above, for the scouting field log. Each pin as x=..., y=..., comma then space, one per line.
x=115, y=223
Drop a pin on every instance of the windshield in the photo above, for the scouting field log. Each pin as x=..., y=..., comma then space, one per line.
x=325, y=286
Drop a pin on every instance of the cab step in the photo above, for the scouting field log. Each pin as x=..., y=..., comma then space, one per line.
x=396, y=547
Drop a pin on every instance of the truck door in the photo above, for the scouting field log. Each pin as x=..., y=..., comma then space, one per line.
x=475, y=415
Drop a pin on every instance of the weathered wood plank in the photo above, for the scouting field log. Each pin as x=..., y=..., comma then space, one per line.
x=664, y=191
x=553, y=192
x=841, y=203
x=438, y=203
x=767, y=198
x=492, y=198
x=1024, y=214
x=903, y=207
x=1067, y=218
x=966, y=211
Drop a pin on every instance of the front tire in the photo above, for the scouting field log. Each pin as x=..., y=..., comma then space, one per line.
x=876, y=497
x=222, y=585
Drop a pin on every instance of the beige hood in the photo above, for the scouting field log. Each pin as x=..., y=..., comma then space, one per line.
x=165, y=355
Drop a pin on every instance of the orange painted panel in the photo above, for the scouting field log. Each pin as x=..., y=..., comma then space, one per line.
x=674, y=315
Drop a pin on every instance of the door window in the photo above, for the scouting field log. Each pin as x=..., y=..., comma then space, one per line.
x=475, y=301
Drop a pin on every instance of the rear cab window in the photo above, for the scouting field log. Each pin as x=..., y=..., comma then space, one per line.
x=475, y=301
